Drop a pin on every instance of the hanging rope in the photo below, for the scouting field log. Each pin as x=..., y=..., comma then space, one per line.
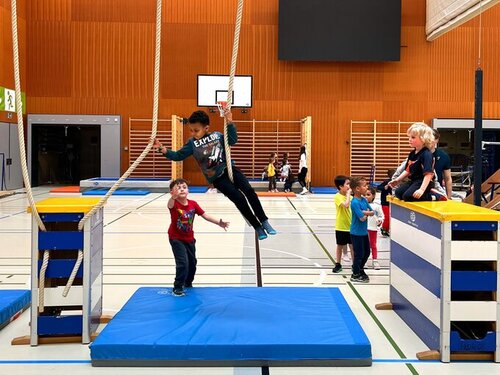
x=234, y=60
x=22, y=149
x=141, y=157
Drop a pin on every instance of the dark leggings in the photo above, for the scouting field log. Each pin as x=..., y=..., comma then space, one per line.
x=272, y=183
x=405, y=191
x=237, y=191
x=302, y=177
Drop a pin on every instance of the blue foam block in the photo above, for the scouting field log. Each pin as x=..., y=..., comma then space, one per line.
x=324, y=190
x=11, y=303
x=233, y=327
x=124, y=191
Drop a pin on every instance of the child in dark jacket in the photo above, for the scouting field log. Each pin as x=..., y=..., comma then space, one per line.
x=208, y=150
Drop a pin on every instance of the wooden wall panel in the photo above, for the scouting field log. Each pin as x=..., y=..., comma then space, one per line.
x=96, y=57
x=49, y=52
x=50, y=10
x=121, y=11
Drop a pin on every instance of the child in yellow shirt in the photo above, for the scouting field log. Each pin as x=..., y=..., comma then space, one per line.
x=343, y=218
x=271, y=174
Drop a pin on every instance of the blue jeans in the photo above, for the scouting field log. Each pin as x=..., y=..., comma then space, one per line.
x=185, y=262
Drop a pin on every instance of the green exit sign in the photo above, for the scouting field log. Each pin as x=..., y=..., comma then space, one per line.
x=8, y=100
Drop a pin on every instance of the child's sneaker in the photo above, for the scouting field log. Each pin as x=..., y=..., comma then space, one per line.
x=364, y=278
x=356, y=278
x=359, y=278
x=345, y=256
x=337, y=268
x=304, y=191
x=376, y=265
x=437, y=196
x=178, y=292
x=261, y=233
x=268, y=228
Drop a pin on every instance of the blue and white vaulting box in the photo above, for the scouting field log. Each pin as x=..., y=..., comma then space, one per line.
x=78, y=313
x=444, y=275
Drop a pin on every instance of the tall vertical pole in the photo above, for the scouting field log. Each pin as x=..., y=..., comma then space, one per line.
x=258, y=271
x=258, y=268
x=478, y=136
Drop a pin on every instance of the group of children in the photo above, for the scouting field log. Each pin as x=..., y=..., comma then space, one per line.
x=357, y=220
x=358, y=216
x=285, y=172
x=272, y=169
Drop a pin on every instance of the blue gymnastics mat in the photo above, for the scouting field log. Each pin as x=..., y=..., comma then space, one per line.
x=235, y=327
x=103, y=191
x=324, y=190
x=12, y=303
x=198, y=189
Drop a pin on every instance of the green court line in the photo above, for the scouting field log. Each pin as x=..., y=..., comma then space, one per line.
x=118, y=218
x=370, y=312
x=382, y=328
x=134, y=209
x=312, y=232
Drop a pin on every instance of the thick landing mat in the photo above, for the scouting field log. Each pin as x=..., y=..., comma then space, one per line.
x=66, y=189
x=233, y=327
x=153, y=185
x=103, y=191
x=198, y=189
x=278, y=194
x=324, y=190
x=12, y=304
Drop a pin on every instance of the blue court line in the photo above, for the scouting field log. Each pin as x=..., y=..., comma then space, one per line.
x=43, y=361
x=86, y=361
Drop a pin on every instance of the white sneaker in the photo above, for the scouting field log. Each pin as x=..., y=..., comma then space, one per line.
x=345, y=256
x=376, y=265
x=304, y=191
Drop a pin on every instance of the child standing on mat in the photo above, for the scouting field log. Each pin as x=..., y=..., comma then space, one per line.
x=290, y=179
x=419, y=167
x=343, y=218
x=208, y=151
x=361, y=210
x=181, y=235
x=374, y=222
x=271, y=174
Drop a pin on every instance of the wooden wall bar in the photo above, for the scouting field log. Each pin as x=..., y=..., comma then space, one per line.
x=96, y=57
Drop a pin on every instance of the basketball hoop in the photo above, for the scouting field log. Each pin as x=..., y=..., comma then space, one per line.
x=222, y=105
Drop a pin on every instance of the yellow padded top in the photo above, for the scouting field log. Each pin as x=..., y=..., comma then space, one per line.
x=450, y=210
x=65, y=205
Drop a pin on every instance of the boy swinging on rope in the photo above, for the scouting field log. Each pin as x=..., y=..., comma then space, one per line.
x=208, y=151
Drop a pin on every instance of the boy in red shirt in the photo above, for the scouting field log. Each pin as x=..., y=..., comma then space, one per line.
x=181, y=235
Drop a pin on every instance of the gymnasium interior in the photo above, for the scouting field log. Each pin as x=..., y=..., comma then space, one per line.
x=92, y=92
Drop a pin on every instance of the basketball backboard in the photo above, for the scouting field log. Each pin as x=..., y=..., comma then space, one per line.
x=213, y=88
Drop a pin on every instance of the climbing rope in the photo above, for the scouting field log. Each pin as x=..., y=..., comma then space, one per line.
x=22, y=149
x=234, y=60
x=141, y=157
